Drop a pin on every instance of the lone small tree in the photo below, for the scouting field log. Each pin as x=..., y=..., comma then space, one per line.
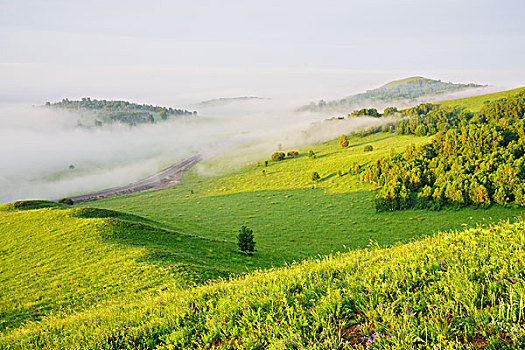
x=315, y=176
x=245, y=240
x=343, y=141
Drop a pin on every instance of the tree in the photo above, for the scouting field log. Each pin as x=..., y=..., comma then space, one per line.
x=390, y=111
x=163, y=114
x=150, y=118
x=311, y=154
x=245, y=240
x=343, y=141
x=421, y=130
x=315, y=176
x=369, y=148
x=277, y=156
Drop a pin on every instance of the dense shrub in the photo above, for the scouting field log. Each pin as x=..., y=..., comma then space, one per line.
x=66, y=200
x=368, y=148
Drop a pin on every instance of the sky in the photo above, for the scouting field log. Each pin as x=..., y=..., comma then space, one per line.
x=181, y=52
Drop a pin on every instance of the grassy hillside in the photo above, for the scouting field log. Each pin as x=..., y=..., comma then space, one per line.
x=292, y=217
x=56, y=260
x=475, y=103
x=458, y=290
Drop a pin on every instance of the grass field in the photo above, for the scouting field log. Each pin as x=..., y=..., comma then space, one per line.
x=61, y=260
x=475, y=103
x=460, y=290
x=291, y=219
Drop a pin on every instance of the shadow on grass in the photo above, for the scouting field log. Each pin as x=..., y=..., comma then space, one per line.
x=373, y=141
x=198, y=258
x=327, y=177
x=325, y=155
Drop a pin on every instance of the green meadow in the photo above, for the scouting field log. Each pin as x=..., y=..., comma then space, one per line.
x=475, y=103
x=161, y=269
x=293, y=217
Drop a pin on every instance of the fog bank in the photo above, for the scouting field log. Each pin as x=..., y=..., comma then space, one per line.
x=46, y=154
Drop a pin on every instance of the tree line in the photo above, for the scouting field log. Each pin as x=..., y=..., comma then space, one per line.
x=473, y=159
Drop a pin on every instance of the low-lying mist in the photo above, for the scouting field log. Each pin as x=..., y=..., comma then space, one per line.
x=50, y=154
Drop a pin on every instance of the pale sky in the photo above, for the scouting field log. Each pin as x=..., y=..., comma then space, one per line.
x=179, y=52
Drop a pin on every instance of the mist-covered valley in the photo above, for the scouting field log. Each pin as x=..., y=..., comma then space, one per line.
x=51, y=153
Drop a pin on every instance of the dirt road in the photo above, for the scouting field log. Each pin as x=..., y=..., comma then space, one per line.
x=166, y=178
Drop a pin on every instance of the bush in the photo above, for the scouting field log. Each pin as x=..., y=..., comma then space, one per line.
x=67, y=201
x=311, y=154
x=315, y=176
x=355, y=169
x=293, y=154
x=277, y=156
x=245, y=240
x=369, y=148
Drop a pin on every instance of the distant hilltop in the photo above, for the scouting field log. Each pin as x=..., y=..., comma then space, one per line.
x=405, y=89
x=110, y=111
x=227, y=100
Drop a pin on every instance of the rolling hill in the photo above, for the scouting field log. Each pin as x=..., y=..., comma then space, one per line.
x=399, y=92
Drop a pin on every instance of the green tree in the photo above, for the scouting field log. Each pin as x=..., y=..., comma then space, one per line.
x=343, y=141
x=315, y=176
x=245, y=240
x=421, y=130
x=368, y=148
x=277, y=156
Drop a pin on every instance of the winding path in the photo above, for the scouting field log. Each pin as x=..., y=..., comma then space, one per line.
x=166, y=178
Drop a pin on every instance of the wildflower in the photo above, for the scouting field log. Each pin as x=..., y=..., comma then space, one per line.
x=512, y=280
x=244, y=311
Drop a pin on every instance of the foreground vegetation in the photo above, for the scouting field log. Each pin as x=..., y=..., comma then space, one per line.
x=455, y=290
